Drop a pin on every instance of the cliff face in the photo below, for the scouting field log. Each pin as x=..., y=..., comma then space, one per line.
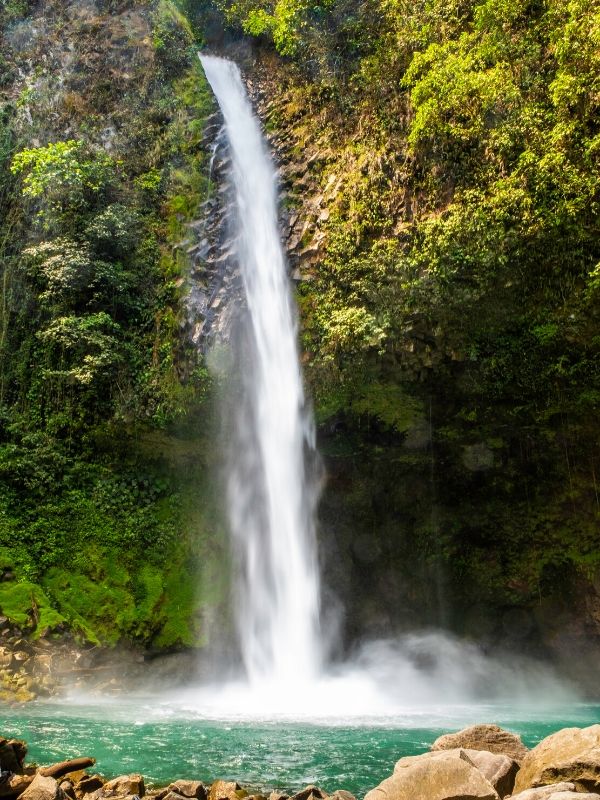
x=449, y=338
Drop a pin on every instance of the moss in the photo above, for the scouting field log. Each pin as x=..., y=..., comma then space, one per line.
x=27, y=605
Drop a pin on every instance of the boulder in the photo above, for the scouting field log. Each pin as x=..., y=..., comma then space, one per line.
x=125, y=785
x=484, y=737
x=310, y=793
x=43, y=788
x=12, y=755
x=409, y=761
x=189, y=789
x=573, y=796
x=278, y=796
x=68, y=789
x=543, y=792
x=571, y=754
x=14, y=785
x=341, y=794
x=500, y=770
x=226, y=790
x=435, y=776
x=88, y=784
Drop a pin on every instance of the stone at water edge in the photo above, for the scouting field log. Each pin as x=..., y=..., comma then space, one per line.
x=169, y=796
x=543, y=792
x=310, y=793
x=190, y=789
x=68, y=789
x=12, y=755
x=435, y=776
x=15, y=785
x=87, y=784
x=571, y=754
x=484, y=737
x=226, y=790
x=278, y=796
x=500, y=770
x=574, y=796
x=341, y=794
x=125, y=785
x=43, y=788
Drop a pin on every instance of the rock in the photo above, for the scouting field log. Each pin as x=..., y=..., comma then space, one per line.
x=125, y=785
x=12, y=755
x=435, y=776
x=341, y=794
x=68, y=789
x=88, y=784
x=500, y=770
x=278, y=796
x=573, y=796
x=543, y=792
x=310, y=793
x=15, y=785
x=226, y=790
x=43, y=788
x=484, y=737
x=189, y=789
x=571, y=754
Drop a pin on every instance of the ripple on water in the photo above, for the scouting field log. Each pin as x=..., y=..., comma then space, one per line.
x=262, y=755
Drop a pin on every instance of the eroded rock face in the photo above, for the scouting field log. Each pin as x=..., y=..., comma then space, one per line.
x=572, y=754
x=491, y=738
x=435, y=776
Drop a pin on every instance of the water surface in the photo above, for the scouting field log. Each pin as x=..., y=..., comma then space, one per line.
x=164, y=743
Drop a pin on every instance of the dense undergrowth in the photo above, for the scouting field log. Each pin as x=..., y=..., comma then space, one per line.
x=102, y=165
x=451, y=325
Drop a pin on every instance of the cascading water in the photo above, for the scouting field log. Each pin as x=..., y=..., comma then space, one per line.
x=270, y=500
x=271, y=507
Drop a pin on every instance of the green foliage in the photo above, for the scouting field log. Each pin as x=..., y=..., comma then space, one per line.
x=92, y=357
x=173, y=38
x=64, y=176
x=458, y=149
x=27, y=605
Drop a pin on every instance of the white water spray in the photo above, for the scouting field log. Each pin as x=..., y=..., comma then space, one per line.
x=271, y=512
x=270, y=501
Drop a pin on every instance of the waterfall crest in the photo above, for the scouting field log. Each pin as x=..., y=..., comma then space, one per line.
x=270, y=499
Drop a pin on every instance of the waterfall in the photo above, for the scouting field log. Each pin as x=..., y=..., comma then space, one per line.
x=270, y=500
